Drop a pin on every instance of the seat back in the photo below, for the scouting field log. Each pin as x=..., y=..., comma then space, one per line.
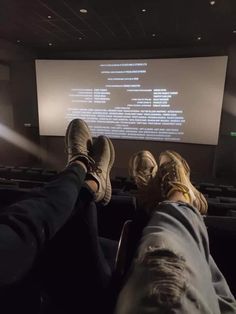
x=222, y=239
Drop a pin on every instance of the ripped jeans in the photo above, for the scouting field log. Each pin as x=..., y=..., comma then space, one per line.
x=173, y=271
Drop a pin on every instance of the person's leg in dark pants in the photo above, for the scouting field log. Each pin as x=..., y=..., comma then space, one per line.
x=75, y=268
x=27, y=226
x=87, y=215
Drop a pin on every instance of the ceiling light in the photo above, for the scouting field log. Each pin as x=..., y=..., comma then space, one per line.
x=49, y=17
x=234, y=31
x=18, y=41
x=144, y=10
x=83, y=11
x=80, y=38
x=153, y=35
x=49, y=44
x=199, y=38
x=212, y=2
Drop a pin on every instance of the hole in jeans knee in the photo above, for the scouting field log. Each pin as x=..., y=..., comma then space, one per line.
x=168, y=282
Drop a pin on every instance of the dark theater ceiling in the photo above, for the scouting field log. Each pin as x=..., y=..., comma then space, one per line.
x=67, y=25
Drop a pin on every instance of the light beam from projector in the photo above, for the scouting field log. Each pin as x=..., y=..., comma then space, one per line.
x=20, y=141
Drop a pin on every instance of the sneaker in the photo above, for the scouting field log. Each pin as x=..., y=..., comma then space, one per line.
x=175, y=176
x=78, y=142
x=103, y=154
x=142, y=168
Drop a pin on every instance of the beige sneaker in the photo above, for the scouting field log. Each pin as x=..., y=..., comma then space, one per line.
x=174, y=173
x=78, y=142
x=143, y=169
x=103, y=154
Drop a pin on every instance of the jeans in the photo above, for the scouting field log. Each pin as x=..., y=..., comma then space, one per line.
x=173, y=271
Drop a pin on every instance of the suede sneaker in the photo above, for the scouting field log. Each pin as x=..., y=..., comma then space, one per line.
x=103, y=154
x=174, y=173
x=78, y=142
x=142, y=168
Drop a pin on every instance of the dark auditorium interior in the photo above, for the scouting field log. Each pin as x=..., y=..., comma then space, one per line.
x=117, y=30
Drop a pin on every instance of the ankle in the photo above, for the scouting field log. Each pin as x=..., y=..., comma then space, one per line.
x=81, y=164
x=179, y=197
x=93, y=185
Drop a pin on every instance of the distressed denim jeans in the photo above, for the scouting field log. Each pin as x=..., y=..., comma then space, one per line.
x=173, y=271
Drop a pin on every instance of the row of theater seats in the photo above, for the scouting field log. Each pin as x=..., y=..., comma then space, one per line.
x=209, y=189
x=24, y=177
x=119, y=184
x=221, y=198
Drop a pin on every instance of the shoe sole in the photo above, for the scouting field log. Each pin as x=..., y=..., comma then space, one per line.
x=202, y=203
x=108, y=191
x=147, y=154
x=83, y=124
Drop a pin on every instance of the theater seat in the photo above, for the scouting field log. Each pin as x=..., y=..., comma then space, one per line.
x=222, y=237
x=112, y=217
x=122, y=260
x=213, y=191
x=220, y=209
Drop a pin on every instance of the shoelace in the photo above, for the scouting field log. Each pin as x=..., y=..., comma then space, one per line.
x=142, y=181
x=92, y=167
